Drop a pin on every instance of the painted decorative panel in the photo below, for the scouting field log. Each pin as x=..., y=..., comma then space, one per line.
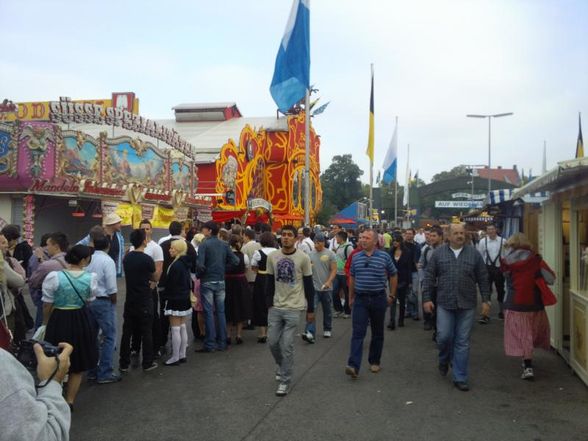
x=80, y=157
x=5, y=152
x=136, y=162
x=180, y=173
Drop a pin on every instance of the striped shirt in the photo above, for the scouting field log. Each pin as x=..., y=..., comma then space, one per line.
x=371, y=273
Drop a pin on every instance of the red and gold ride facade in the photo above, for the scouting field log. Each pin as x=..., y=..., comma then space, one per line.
x=265, y=172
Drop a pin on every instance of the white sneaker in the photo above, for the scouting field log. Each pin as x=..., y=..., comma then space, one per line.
x=308, y=337
x=278, y=375
x=327, y=334
x=528, y=374
x=282, y=390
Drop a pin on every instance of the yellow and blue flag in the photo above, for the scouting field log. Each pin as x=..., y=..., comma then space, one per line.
x=370, y=147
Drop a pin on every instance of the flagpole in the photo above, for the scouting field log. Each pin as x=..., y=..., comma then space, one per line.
x=307, y=158
x=396, y=201
x=371, y=163
x=408, y=183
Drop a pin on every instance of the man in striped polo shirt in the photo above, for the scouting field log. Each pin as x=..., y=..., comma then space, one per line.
x=371, y=273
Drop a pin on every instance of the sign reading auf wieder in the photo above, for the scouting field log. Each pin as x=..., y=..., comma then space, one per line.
x=459, y=204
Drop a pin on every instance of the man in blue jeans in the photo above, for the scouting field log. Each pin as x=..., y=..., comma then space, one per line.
x=454, y=270
x=103, y=309
x=289, y=292
x=213, y=256
x=372, y=272
x=324, y=270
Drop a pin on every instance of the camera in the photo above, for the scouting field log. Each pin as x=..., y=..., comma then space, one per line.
x=26, y=354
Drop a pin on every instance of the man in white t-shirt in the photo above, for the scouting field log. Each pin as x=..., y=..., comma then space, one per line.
x=154, y=251
x=304, y=242
x=491, y=247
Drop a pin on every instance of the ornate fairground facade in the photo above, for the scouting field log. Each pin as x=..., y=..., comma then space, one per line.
x=65, y=164
x=253, y=167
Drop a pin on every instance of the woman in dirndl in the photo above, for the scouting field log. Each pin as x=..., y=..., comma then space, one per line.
x=259, y=265
x=176, y=297
x=238, y=296
x=525, y=322
x=67, y=319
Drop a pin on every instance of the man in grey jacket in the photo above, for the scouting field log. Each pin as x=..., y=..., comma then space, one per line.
x=26, y=413
x=455, y=269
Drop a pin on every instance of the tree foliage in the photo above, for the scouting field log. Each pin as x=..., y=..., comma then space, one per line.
x=455, y=172
x=341, y=183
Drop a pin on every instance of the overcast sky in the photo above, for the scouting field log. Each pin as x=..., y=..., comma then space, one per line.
x=435, y=61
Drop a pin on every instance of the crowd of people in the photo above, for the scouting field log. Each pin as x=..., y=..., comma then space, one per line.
x=230, y=279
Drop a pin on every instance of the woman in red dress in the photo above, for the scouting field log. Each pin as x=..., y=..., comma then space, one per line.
x=525, y=322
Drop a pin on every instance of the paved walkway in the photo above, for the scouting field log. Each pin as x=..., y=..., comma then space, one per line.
x=230, y=396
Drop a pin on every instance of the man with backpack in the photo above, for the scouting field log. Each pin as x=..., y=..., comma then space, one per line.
x=342, y=252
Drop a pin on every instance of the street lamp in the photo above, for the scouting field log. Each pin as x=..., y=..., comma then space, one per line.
x=496, y=115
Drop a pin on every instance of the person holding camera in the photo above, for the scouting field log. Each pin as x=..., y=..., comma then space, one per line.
x=27, y=412
x=65, y=296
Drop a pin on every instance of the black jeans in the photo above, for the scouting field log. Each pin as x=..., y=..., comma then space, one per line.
x=495, y=276
x=401, y=298
x=136, y=337
x=340, y=283
x=137, y=321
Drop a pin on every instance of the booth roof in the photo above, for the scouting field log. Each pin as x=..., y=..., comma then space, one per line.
x=207, y=137
x=570, y=172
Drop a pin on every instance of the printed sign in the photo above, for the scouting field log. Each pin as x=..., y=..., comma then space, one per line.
x=204, y=214
x=147, y=211
x=468, y=196
x=108, y=207
x=252, y=204
x=181, y=214
x=459, y=204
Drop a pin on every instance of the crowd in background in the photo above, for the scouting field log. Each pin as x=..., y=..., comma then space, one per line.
x=223, y=281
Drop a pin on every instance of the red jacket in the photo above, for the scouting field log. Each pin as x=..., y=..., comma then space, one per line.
x=521, y=268
x=348, y=262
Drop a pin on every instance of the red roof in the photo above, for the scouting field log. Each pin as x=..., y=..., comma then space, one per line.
x=508, y=175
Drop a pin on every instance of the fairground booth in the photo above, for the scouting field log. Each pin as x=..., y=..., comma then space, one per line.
x=562, y=225
x=66, y=164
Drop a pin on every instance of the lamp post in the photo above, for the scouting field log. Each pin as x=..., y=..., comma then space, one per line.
x=496, y=115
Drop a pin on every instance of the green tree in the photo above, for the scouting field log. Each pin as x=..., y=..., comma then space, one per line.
x=455, y=172
x=340, y=182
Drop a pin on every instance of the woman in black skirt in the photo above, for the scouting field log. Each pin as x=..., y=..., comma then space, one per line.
x=65, y=294
x=176, y=298
x=238, y=296
x=259, y=265
x=402, y=259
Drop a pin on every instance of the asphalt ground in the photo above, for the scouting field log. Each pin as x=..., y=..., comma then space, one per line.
x=230, y=395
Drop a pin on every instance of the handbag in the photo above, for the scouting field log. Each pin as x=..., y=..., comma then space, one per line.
x=547, y=296
x=5, y=333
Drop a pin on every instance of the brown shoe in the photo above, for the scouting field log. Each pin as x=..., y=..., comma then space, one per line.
x=375, y=368
x=352, y=372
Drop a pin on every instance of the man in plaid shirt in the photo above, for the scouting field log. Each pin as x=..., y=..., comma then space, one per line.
x=456, y=270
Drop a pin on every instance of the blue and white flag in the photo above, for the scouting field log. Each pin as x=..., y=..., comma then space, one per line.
x=390, y=161
x=292, y=72
x=321, y=109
